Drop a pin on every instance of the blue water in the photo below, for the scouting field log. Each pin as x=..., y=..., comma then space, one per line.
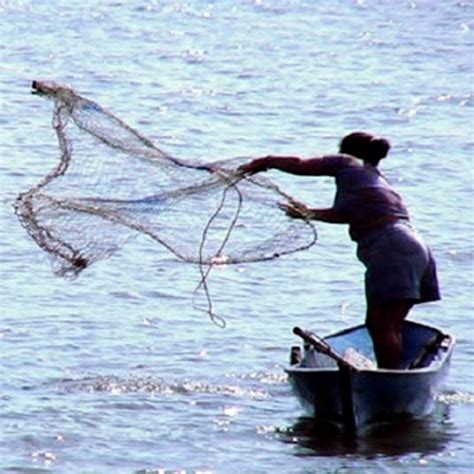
x=115, y=372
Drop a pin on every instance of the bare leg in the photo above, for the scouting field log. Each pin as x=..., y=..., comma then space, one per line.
x=384, y=323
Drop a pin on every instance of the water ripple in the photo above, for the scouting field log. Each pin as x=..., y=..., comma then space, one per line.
x=151, y=385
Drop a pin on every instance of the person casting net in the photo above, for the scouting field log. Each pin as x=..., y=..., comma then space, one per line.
x=111, y=183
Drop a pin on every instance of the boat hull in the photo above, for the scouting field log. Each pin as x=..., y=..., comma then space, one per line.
x=358, y=398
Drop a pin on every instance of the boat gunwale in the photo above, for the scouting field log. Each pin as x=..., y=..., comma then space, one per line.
x=433, y=367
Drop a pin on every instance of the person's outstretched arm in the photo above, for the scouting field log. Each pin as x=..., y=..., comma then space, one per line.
x=325, y=165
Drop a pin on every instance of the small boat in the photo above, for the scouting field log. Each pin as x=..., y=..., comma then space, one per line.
x=337, y=381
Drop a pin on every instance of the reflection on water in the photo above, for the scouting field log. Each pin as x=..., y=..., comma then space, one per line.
x=424, y=436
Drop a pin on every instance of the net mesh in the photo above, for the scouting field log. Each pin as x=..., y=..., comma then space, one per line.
x=111, y=183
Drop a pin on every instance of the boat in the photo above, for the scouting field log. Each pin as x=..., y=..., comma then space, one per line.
x=337, y=380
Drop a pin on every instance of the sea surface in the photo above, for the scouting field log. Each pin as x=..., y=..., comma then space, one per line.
x=116, y=371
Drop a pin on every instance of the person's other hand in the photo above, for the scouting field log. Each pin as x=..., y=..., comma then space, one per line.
x=296, y=209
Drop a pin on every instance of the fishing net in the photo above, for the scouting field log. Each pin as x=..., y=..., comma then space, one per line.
x=111, y=184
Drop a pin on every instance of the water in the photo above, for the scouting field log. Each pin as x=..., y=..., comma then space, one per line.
x=115, y=371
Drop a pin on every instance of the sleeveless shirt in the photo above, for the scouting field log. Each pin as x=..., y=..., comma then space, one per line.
x=364, y=196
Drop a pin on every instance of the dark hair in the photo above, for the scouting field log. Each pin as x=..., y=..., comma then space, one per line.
x=365, y=146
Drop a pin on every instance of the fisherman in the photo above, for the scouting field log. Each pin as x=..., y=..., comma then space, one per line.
x=400, y=269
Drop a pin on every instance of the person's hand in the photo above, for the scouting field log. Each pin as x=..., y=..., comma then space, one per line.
x=255, y=166
x=296, y=209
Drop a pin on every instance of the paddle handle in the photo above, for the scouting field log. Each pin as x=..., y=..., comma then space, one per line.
x=322, y=346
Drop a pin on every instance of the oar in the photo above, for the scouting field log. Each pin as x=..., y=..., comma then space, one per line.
x=346, y=370
x=322, y=346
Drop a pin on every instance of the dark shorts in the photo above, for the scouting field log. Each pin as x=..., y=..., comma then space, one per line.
x=399, y=266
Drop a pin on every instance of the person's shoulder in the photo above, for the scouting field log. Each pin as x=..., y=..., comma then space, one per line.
x=343, y=161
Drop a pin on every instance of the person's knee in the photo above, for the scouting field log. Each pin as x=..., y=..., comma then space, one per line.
x=388, y=313
x=375, y=318
x=385, y=320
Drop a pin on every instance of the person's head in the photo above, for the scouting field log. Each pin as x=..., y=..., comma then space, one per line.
x=365, y=146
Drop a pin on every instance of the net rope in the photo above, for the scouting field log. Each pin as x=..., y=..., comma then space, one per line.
x=111, y=184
